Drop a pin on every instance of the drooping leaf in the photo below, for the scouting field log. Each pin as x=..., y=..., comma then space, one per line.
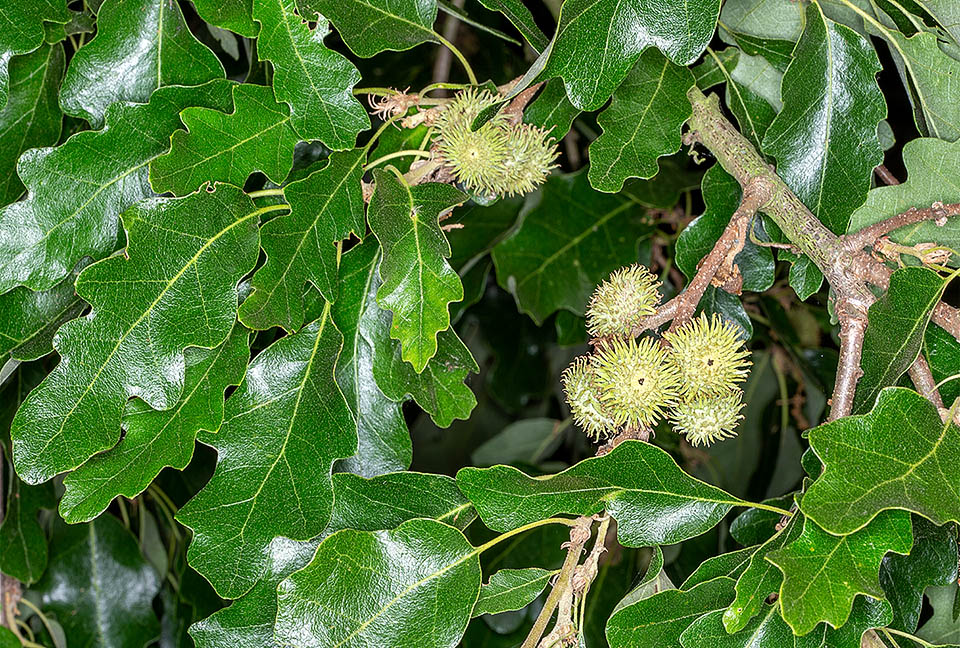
x=894, y=335
x=621, y=31
x=23, y=544
x=147, y=307
x=376, y=504
x=766, y=630
x=944, y=626
x=418, y=282
x=369, y=27
x=67, y=217
x=891, y=458
x=156, y=439
x=21, y=32
x=527, y=441
x=731, y=564
x=325, y=207
x=29, y=320
x=139, y=47
x=31, y=117
x=930, y=178
x=640, y=485
x=932, y=561
x=551, y=110
x=825, y=138
x=715, y=67
x=753, y=95
x=822, y=573
x=642, y=122
x=315, y=81
x=383, y=587
x=99, y=586
x=568, y=244
x=756, y=526
x=659, y=620
x=521, y=18
x=511, y=589
x=235, y=15
x=763, y=18
x=256, y=136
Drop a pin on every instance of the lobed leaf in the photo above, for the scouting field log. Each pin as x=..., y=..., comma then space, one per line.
x=369, y=27
x=21, y=32
x=235, y=15
x=23, y=543
x=512, y=589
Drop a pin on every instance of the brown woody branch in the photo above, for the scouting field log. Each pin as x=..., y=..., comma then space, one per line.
x=923, y=380
x=937, y=212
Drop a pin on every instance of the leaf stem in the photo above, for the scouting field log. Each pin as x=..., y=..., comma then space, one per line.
x=440, y=86
x=266, y=192
x=768, y=507
x=395, y=155
x=376, y=135
x=268, y=209
x=893, y=631
x=379, y=92
x=466, y=66
x=40, y=614
x=526, y=527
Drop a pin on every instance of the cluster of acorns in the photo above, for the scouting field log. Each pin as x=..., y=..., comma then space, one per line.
x=500, y=158
x=692, y=376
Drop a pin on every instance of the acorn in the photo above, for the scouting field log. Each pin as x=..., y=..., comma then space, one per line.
x=621, y=302
x=707, y=419
x=708, y=355
x=635, y=380
x=585, y=407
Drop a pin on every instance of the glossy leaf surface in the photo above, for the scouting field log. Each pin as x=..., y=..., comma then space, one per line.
x=369, y=27
x=21, y=26
x=511, y=589
x=23, y=543
x=29, y=320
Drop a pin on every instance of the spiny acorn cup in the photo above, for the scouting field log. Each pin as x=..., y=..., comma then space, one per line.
x=708, y=355
x=636, y=382
x=579, y=385
x=621, y=302
x=500, y=158
x=707, y=419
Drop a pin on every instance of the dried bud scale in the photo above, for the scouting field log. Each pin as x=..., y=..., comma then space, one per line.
x=621, y=302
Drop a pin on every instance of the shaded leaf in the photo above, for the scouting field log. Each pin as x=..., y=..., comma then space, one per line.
x=139, y=47
x=147, y=307
x=234, y=15
x=282, y=430
x=155, y=439
x=76, y=190
x=715, y=68
x=384, y=587
x=99, y=586
x=567, y=244
x=642, y=122
x=652, y=499
x=891, y=458
x=31, y=117
x=511, y=589
x=527, y=441
x=766, y=630
x=822, y=573
x=551, y=110
x=943, y=627
x=418, y=282
x=753, y=95
x=23, y=544
x=932, y=86
x=369, y=27
x=621, y=31
x=755, y=526
x=894, y=334
x=315, y=81
x=384, y=442
x=731, y=565
x=256, y=136
x=324, y=208
x=21, y=32
x=521, y=18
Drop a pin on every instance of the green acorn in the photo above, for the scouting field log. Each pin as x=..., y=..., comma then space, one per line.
x=586, y=409
x=635, y=380
x=622, y=301
x=707, y=419
x=708, y=355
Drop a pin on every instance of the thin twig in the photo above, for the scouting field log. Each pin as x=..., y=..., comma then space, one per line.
x=865, y=238
x=848, y=370
x=884, y=174
x=923, y=380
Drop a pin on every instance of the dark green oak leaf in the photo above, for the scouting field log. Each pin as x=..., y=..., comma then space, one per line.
x=315, y=81
x=369, y=27
x=822, y=573
x=731, y=564
x=640, y=485
x=156, y=439
x=8, y=639
x=825, y=138
x=412, y=586
x=715, y=67
x=77, y=190
x=659, y=620
x=895, y=457
x=597, y=43
x=98, y=585
x=383, y=440
x=512, y=589
x=932, y=561
x=756, y=526
x=150, y=42
x=234, y=15
x=418, y=282
x=753, y=95
x=29, y=320
x=381, y=503
x=551, y=110
x=256, y=136
x=31, y=117
x=944, y=626
x=894, y=335
x=147, y=307
x=521, y=18
x=21, y=32
x=567, y=244
x=930, y=165
x=23, y=544
x=642, y=122
x=324, y=208
x=282, y=430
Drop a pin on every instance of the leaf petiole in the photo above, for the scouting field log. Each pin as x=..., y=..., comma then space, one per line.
x=466, y=66
x=395, y=155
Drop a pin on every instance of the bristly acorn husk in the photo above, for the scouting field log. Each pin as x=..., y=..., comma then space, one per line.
x=636, y=382
x=582, y=397
x=709, y=356
x=707, y=419
x=621, y=302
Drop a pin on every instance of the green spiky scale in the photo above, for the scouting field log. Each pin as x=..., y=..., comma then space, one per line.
x=585, y=407
x=621, y=302
x=707, y=419
x=635, y=380
x=709, y=357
